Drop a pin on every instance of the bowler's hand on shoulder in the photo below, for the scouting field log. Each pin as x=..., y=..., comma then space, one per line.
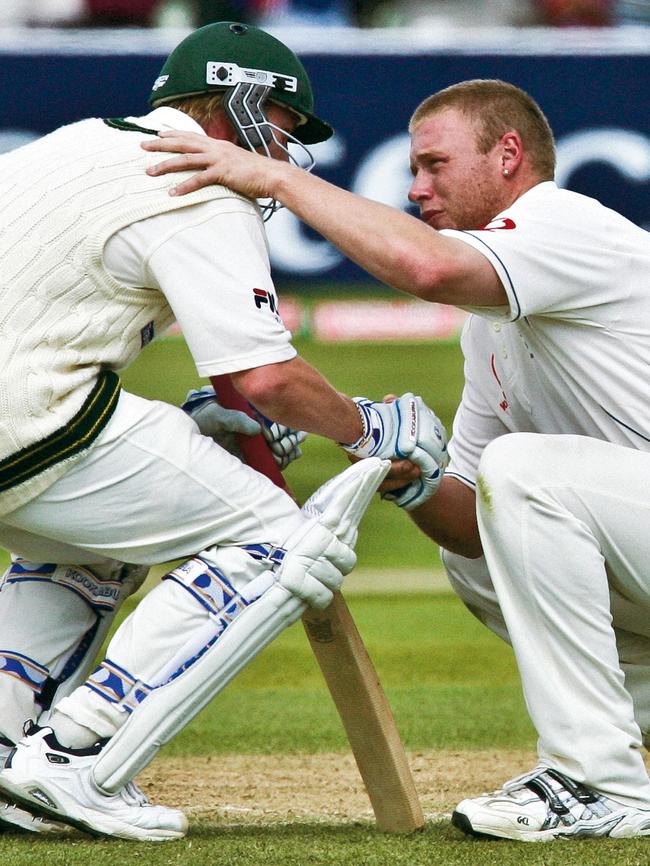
x=216, y=161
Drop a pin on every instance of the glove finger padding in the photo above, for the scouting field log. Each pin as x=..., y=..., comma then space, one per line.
x=286, y=448
x=283, y=441
x=215, y=421
x=308, y=569
x=427, y=448
x=321, y=552
x=405, y=428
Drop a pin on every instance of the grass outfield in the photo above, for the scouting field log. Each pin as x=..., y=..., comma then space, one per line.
x=307, y=845
x=453, y=687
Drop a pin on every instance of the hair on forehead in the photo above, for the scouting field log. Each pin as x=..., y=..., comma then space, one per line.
x=496, y=107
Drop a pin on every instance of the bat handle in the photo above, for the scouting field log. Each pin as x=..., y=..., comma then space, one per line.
x=255, y=449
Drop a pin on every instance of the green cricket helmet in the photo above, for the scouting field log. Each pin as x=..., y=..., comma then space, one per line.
x=250, y=67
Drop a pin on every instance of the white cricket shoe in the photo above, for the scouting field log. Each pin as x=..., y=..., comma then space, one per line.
x=545, y=804
x=54, y=782
x=13, y=818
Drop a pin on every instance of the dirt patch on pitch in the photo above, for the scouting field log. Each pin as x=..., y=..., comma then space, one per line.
x=261, y=789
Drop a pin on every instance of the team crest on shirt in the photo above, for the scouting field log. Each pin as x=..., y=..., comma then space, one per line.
x=500, y=223
x=147, y=334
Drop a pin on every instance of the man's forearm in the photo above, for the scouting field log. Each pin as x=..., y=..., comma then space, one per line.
x=449, y=518
x=296, y=394
x=394, y=247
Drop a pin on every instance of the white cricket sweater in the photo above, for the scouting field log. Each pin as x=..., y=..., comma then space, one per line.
x=66, y=324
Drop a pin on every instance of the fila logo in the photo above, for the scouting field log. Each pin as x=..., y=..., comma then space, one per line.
x=501, y=223
x=263, y=297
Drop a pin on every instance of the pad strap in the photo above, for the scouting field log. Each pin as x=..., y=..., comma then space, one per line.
x=23, y=668
x=100, y=595
x=266, y=553
x=117, y=686
x=77, y=661
x=205, y=583
x=170, y=707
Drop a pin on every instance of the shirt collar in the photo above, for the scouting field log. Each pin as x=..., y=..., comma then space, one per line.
x=540, y=189
x=167, y=118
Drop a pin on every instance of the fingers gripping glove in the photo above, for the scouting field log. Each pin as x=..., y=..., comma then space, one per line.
x=430, y=454
x=218, y=423
x=404, y=429
x=284, y=442
x=321, y=553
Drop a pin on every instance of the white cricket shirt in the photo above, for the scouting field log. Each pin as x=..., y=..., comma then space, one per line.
x=571, y=352
x=211, y=262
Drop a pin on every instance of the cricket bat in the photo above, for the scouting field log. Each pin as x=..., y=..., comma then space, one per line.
x=349, y=673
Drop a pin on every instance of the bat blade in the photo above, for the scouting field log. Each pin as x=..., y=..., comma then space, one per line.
x=366, y=715
x=350, y=675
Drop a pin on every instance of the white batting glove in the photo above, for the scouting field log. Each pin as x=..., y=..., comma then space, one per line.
x=314, y=567
x=218, y=423
x=283, y=441
x=223, y=425
x=404, y=429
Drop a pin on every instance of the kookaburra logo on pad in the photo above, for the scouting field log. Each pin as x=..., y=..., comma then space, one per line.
x=229, y=74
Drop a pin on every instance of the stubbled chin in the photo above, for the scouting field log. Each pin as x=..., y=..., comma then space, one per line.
x=440, y=221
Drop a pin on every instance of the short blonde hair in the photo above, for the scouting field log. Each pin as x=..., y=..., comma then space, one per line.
x=497, y=107
x=201, y=107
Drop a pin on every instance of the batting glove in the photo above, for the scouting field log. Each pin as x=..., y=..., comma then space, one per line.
x=223, y=425
x=404, y=429
x=283, y=441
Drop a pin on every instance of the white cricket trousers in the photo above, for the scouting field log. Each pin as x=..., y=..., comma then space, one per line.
x=565, y=526
x=151, y=489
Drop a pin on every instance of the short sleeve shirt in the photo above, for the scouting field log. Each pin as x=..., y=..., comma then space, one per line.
x=571, y=351
x=211, y=262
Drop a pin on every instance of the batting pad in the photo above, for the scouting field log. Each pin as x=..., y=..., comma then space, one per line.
x=338, y=505
x=168, y=709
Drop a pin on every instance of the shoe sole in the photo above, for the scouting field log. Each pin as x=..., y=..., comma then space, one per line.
x=17, y=794
x=463, y=823
x=37, y=825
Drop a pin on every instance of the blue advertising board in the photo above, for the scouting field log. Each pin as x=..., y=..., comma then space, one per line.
x=593, y=88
